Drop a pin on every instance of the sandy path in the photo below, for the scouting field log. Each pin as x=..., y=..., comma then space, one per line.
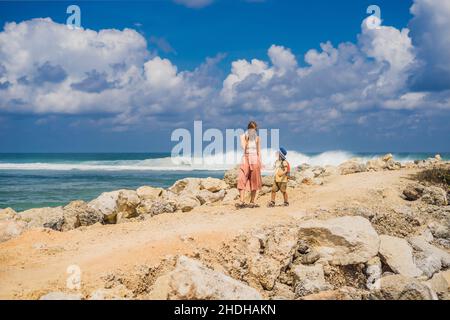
x=36, y=262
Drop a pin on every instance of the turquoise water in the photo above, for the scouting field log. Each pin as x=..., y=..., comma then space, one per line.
x=39, y=180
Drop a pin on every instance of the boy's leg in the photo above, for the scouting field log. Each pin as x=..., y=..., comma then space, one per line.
x=285, y=196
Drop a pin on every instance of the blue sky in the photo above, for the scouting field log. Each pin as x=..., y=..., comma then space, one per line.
x=224, y=62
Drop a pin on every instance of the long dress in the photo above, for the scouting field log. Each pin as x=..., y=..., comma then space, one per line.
x=250, y=169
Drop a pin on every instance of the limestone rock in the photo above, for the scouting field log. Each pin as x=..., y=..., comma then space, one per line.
x=187, y=185
x=435, y=195
x=127, y=202
x=52, y=218
x=213, y=184
x=398, y=255
x=10, y=229
x=344, y=293
x=343, y=240
x=88, y=216
x=440, y=283
x=429, y=258
x=190, y=280
x=267, y=181
x=399, y=287
x=352, y=166
x=187, y=203
x=106, y=205
x=7, y=213
x=208, y=197
x=61, y=296
x=231, y=195
x=231, y=176
x=71, y=215
x=116, y=293
x=413, y=191
x=149, y=193
x=309, y=280
x=373, y=272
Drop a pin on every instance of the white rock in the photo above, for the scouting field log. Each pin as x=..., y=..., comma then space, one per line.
x=149, y=193
x=7, y=213
x=429, y=258
x=61, y=296
x=398, y=255
x=342, y=241
x=127, y=202
x=187, y=185
x=190, y=280
x=398, y=287
x=208, y=197
x=309, y=280
x=213, y=184
x=231, y=195
x=10, y=229
x=106, y=205
x=52, y=218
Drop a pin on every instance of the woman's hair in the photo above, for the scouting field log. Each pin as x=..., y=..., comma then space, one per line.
x=252, y=125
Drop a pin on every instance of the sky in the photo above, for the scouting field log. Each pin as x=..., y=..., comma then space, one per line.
x=326, y=73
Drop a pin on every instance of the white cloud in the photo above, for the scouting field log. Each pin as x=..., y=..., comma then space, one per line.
x=46, y=68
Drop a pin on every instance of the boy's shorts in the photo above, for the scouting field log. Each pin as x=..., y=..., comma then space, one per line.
x=279, y=186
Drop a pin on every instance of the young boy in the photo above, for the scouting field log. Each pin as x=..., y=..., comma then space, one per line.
x=281, y=177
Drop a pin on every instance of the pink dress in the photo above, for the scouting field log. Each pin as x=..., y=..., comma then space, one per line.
x=250, y=169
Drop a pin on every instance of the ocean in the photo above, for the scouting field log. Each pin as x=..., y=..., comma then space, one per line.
x=30, y=180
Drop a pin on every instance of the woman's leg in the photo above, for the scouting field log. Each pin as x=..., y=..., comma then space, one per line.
x=242, y=195
x=253, y=196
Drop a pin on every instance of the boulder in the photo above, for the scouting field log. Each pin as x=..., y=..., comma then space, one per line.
x=413, y=191
x=187, y=185
x=106, y=205
x=231, y=176
x=440, y=229
x=330, y=171
x=375, y=164
x=7, y=213
x=399, y=287
x=10, y=229
x=87, y=215
x=231, y=195
x=61, y=296
x=162, y=206
x=398, y=255
x=127, y=202
x=71, y=215
x=429, y=258
x=343, y=240
x=208, y=197
x=435, y=196
x=190, y=280
x=52, y=218
x=309, y=280
x=119, y=292
x=187, y=203
x=149, y=193
x=213, y=184
x=373, y=272
x=344, y=293
x=352, y=166
x=267, y=181
x=440, y=283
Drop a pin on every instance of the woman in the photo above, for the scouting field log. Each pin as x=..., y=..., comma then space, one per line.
x=250, y=170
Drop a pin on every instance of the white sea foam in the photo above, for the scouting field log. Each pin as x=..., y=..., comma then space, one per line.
x=212, y=163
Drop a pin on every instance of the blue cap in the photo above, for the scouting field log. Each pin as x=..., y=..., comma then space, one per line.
x=283, y=152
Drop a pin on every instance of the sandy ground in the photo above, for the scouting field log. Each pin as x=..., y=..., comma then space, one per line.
x=36, y=262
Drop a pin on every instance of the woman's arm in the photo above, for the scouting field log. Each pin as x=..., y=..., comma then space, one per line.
x=244, y=142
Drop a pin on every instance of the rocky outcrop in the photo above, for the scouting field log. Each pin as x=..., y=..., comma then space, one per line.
x=342, y=241
x=208, y=197
x=61, y=296
x=52, y=218
x=213, y=185
x=7, y=213
x=106, y=206
x=398, y=255
x=231, y=176
x=309, y=280
x=352, y=166
x=230, y=196
x=191, y=280
x=149, y=193
x=399, y=287
x=429, y=258
x=11, y=228
x=440, y=283
x=185, y=186
x=435, y=196
x=386, y=162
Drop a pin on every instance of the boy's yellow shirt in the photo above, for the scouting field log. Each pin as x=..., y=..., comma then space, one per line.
x=281, y=166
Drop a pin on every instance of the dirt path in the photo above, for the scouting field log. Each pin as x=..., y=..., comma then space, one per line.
x=36, y=262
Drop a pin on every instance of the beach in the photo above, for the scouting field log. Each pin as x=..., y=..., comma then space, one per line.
x=128, y=258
